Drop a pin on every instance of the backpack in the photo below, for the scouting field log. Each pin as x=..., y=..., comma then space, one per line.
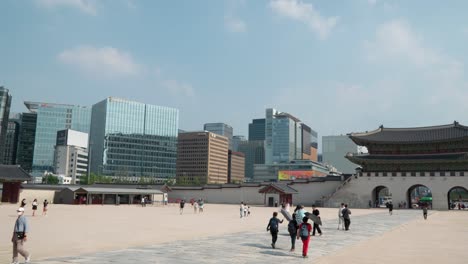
x=273, y=225
x=292, y=227
x=304, y=231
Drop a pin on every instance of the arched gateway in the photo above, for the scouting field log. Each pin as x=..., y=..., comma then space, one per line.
x=419, y=165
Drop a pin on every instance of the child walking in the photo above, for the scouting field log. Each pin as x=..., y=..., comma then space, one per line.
x=304, y=233
x=292, y=229
x=273, y=227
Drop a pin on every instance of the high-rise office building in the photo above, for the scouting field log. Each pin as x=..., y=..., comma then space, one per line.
x=26, y=140
x=11, y=143
x=283, y=136
x=257, y=129
x=309, y=143
x=202, y=157
x=220, y=129
x=236, y=167
x=236, y=140
x=335, y=149
x=132, y=139
x=71, y=155
x=5, y=104
x=50, y=119
x=254, y=152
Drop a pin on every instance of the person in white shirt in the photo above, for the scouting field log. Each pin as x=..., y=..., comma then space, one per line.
x=242, y=209
x=340, y=217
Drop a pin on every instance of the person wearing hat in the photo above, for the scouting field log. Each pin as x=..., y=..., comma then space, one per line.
x=20, y=236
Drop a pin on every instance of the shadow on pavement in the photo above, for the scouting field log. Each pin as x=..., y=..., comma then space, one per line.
x=278, y=253
x=256, y=245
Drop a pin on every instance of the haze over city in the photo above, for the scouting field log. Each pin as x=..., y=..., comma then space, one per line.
x=338, y=66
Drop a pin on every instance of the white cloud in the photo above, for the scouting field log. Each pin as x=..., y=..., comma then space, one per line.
x=305, y=13
x=396, y=39
x=372, y=2
x=86, y=6
x=234, y=24
x=106, y=61
x=178, y=88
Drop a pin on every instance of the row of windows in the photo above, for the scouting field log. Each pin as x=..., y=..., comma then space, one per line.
x=413, y=174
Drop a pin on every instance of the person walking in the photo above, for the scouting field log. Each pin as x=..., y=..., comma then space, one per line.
x=23, y=203
x=20, y=236
x=45, y=207
x=300, y=213
x=347, y=220
x=390, y=208
x=340, y=217
x=181, y=206
x=425, y=212
x=303, y=232
x=292, y=229
x=241, y=209
x=201, y=205
x=195, y=207
x=273, y=227
x=316, y=212
x=34, y=207
x=142, y=201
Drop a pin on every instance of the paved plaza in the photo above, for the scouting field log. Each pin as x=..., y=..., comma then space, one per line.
x=251, y=247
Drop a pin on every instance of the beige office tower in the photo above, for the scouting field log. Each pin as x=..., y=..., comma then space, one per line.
x=202, y=158
x=236, y=167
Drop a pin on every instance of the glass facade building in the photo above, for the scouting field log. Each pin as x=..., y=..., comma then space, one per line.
x=335, y=149
x=133, y=139
x=283, y=133
x=27, y=137
x=11, y=142
x=5, y=104
x=220, y=129
x=257, y=129
x=254, y=152
x=50, y=119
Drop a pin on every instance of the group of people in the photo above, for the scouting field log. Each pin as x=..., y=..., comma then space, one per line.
x=21, y=230
x=197, y=205
x=244, y=210
x=45, y=204
x=344, y=219
x=300, y=228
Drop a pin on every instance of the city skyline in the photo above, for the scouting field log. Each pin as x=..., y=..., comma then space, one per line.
x=404, y=64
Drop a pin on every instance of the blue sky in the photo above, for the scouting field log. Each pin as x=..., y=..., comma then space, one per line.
x=340, y=66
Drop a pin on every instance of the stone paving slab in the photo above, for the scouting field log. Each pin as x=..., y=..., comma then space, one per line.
x=251, y=247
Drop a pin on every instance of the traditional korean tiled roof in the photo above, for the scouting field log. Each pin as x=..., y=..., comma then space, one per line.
x=279, y=187
x=13, y=173
x=412, y=135
x=416, y=158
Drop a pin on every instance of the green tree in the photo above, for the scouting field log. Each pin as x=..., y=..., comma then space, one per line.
x=50, y=179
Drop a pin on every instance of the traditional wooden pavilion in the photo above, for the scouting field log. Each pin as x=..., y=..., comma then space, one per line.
x=11, y=176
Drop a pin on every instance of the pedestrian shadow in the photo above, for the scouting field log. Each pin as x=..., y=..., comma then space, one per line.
x=256, y=245
x=278, y=253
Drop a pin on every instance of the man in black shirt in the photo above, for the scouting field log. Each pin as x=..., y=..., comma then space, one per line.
x=316, y=212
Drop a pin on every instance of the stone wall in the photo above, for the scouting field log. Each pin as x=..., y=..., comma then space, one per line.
x=359, y=190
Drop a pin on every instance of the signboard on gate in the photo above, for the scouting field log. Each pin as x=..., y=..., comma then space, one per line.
x=293, y=175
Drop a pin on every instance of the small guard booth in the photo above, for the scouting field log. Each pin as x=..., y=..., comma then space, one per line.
x=277, y=193
x=11, y=176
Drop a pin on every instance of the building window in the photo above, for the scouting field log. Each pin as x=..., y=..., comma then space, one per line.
x=452, y=173
x=432, y=174
x=403, y=174
x=462, y=173
x=413, y=174
x=393, y=174
x=385, y=174
x=368, y=174
x=422, y=173
x=442, y=173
